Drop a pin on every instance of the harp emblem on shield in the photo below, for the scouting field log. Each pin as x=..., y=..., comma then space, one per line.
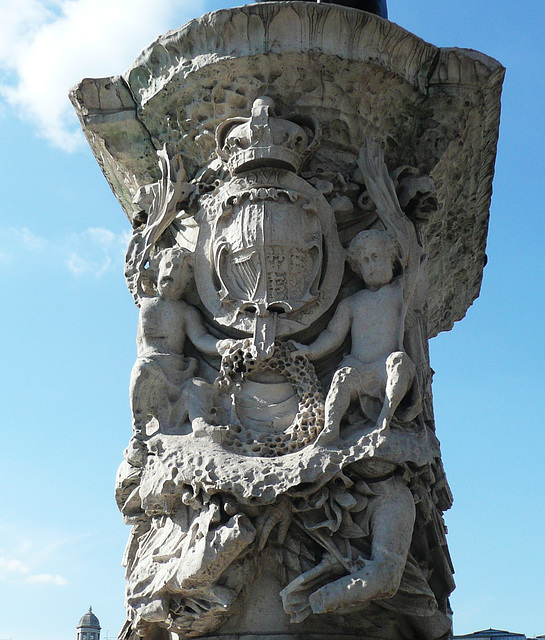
x=267, y=255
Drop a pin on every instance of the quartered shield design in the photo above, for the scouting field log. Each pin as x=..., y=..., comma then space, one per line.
x=269, y=246
x=268, y=256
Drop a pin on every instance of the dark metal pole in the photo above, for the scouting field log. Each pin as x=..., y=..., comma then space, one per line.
x=378, y=7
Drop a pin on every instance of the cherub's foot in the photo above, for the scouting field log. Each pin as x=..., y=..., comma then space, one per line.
x=201, y=429
x=295, y=597
x=343, y=595
x=375, y=581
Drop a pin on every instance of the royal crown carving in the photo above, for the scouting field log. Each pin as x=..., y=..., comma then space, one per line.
x=263, y=140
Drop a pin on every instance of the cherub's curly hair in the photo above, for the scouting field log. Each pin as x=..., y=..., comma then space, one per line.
x=388, y=240
x=176, y=254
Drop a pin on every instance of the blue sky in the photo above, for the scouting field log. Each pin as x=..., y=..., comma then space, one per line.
x=68, y=324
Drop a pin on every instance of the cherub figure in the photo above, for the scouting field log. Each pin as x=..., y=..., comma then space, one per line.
x=161, y=369
x=388, y=262
x=377, y=371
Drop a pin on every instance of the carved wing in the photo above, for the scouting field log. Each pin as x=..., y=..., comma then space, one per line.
x=167, y=193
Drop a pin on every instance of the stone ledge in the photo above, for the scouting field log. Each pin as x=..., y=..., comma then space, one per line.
x=287, y=636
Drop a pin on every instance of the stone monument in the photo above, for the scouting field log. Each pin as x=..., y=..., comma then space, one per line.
x=309, y=187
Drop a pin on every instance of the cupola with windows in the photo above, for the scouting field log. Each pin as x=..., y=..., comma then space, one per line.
x=88, y=627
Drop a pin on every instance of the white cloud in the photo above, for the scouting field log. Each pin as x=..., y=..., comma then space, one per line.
x=47, y=578
x=48, y=46
x=12, y=566
x=94, y=251
x=102, y=236
x=29, y=240
x=78, y=266
x=17, y=240
x=32, y=557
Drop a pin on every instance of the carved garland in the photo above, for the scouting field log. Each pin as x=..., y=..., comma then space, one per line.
x=238, y=363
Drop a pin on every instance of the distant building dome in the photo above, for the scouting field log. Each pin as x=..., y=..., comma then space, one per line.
x=88, y=627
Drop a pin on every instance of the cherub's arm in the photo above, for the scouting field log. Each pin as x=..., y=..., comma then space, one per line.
x=197, y=333
x=332, y=337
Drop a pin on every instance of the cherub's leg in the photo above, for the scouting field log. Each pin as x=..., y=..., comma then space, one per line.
x=199, y=400
x=139, y=397
x=344, y=388
x=148, y=395
x=143, y=393
x=400, y=374
x=295, y=597
x=392, y=524
x=197, y=397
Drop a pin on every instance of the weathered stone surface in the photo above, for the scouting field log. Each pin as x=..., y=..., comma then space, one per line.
x=309, y=189
x=435, y=109
x=335, y=458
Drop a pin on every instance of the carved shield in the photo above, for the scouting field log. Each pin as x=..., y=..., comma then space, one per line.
x=268, y=243
x=268, y=254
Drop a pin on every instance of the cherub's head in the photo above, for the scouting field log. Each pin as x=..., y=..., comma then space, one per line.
x=174, y=273
x=372, y=255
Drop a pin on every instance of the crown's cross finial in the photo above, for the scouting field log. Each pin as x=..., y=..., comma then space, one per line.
x=263, y=104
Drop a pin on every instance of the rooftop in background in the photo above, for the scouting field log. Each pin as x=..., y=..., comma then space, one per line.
x=495, y=634
x=89, y=620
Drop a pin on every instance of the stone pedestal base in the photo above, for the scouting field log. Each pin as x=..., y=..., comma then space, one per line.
x=249, y=149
